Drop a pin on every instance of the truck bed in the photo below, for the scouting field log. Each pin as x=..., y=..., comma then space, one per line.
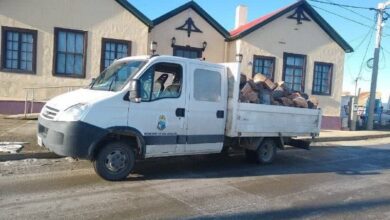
x=256, y=120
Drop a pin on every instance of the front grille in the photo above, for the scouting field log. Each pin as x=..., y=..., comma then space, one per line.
x=49, y=112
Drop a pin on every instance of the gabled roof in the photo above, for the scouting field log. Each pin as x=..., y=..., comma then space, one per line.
x=129, y=7
x=248, y=28
x=194, y=6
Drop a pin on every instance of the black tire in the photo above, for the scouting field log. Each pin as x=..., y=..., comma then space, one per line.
x=114, y=161
x=266, y=152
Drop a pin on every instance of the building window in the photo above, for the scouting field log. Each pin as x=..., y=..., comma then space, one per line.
x=294, y=71
x=322, y=82
x=187, y=52
x=19, y=50
x=113, y=49
x=70, y=51
x=264, y=65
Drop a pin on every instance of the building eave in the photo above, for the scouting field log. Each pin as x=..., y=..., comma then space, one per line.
x=142, y=17
x=194, y=6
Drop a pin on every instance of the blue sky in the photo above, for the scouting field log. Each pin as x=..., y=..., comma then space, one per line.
x=357, y=35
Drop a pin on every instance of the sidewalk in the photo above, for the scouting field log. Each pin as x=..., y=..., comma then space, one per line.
x=332, y=135
x=18, y=130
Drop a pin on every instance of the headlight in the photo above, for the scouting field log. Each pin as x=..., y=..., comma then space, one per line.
x=73, y=113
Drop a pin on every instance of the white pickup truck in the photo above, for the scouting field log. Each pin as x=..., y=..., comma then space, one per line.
x=157, y=106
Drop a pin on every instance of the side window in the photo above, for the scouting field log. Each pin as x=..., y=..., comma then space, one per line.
x=207, y=85
x=162, y=80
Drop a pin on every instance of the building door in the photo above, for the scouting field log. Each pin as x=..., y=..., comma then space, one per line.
x=187, y=52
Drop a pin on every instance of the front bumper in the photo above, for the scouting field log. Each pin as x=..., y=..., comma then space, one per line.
x=71, y=139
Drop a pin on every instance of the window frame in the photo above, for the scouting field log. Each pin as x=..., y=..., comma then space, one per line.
x=285, y=55
x=85, y=50
x=3, y=56
x=152, y=85
x=331, y=65
x=194, y=86
x=116, y=41
x=264, y=58
x=199, y=51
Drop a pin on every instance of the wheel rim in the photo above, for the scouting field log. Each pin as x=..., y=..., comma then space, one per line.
x=266, y=152
x=116, y=161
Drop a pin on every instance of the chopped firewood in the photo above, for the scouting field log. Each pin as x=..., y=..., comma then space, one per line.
x=248, y=94
x=313, y=102
x=286, y=101
x=262, y=90
x=300, y=102
x=294, y=95
x=259, y=78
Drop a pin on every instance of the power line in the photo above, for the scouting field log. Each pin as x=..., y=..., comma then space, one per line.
x=342, y=5
x=365, y=55
x=350, y=10
x=370, y=31
x=341, y=16
x=349, y=19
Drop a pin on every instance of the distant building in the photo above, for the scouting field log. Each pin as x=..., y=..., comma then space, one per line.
x=50, y=43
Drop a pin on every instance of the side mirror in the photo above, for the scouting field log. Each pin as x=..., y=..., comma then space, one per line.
x=135, y=91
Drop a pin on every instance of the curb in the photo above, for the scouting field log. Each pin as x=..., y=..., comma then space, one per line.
x=352, y=138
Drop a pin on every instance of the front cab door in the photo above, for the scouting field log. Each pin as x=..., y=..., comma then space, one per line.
x=160, y=115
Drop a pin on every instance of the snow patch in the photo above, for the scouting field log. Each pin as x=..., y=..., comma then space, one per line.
x=11, y=147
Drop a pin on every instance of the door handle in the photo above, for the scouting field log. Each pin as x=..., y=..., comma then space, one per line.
x=220, y=114
x=180, y=112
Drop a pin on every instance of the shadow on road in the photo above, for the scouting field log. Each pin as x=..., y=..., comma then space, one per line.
x=340, y=160
x=301, y=212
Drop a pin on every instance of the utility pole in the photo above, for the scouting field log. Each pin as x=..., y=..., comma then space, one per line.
x=380, y=11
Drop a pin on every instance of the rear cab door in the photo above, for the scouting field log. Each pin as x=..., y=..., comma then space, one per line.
x=206, y=108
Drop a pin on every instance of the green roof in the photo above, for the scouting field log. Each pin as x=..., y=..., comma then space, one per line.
x=129, y=7
x=194, y=6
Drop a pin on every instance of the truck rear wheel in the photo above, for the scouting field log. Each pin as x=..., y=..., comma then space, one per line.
x=266, y=152
x=114, y=161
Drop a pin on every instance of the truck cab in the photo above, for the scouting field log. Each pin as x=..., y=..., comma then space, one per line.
x=139, y=107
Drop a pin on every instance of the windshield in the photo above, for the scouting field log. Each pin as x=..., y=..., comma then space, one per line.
x=116, y=75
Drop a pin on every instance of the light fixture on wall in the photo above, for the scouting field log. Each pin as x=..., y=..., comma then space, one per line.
x=239, y=57
x=153, y=47
x=173, y=41
x=204, y=45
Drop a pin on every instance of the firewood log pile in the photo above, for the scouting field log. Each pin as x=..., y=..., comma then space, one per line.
x=261, y=90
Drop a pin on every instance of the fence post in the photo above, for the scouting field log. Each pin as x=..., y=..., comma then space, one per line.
x=25, y=103
x=32, y=101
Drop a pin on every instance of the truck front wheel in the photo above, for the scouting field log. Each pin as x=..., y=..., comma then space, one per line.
x=266, y=152
x=114, y=161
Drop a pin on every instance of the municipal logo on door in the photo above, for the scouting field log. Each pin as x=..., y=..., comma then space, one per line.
x=162, y=123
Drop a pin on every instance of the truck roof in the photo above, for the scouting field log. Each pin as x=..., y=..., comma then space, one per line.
x=167, y=57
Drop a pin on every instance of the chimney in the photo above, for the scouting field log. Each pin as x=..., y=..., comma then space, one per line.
x=241, y=15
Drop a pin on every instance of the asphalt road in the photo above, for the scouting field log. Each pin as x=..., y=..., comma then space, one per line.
x=349, y=180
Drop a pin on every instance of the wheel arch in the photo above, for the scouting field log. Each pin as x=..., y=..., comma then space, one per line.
x=120, y=133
